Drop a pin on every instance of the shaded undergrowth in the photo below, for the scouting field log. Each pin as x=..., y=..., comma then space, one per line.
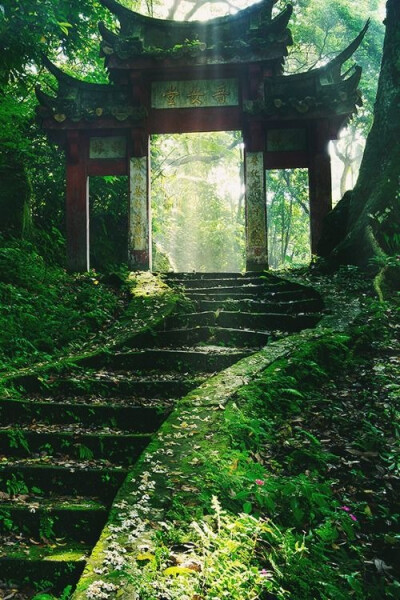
x=48, y=316
x=44, y=311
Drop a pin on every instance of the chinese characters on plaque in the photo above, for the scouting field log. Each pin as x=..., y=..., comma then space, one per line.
x=192, y=94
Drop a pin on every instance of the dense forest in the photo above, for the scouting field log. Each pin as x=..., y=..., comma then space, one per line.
x=277, y=478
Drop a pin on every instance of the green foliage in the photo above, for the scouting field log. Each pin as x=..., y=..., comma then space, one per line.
x=6, y=522
x=16, y=486
x=15, y=195
x=198, y=210
x=288, y=218
x=283, y=526
x=108, y=222
x=84, y=452
x=17, y=439
x=46, y=531
x=43, y=310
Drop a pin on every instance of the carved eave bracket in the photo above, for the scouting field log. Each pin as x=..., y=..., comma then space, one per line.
x=80, y=102
x=325, y=92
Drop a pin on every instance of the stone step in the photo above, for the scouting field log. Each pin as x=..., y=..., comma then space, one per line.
x=22, y=561
x=24, y=477
x=80, y=520
x=250, y=289
x=91, y=412
x=211, y=275
x=256, y=322
x=67, y=449
x=202, y=359
x=266, y=276
x=106, y=383
x=117, y=447
x=199, y=275
x=224, y=336
x=230, y=282
x=307, y=305
x=248, y=293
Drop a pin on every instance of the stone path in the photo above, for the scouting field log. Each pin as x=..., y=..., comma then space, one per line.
x=67, y=446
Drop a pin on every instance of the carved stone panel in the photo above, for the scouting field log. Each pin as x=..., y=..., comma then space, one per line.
x=107, y=147
x=256, y=218
x=139, y=226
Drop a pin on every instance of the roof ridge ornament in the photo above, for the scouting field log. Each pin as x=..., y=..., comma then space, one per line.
x=126, y=15
x=122, y=13
x=336, y=63
x=69, y=80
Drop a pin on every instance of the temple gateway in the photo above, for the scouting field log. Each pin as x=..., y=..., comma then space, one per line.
x=179, y=77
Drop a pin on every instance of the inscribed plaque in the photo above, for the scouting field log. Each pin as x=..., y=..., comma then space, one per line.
x=195, y=94
x=107, y=147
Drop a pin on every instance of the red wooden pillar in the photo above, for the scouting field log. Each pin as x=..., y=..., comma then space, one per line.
x=77, y=203
x=320, y=182
x=139, y=237
x=255, y=199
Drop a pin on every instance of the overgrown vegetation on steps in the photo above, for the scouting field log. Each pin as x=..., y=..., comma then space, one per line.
x=44, y=310
x=47, y=314
x=63, y=458
x=290, y=491
x=74, y=438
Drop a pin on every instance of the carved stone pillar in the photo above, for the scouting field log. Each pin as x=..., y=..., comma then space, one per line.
x=139, y=236
x=256, y=212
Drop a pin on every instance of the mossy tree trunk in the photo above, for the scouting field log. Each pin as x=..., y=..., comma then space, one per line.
x=366, y=223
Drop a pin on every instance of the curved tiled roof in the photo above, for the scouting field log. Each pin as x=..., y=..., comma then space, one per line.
x=321, y=92
x=79, y=100
x=251, y=32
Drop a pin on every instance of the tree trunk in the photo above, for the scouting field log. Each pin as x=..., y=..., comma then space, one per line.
x=372, y=216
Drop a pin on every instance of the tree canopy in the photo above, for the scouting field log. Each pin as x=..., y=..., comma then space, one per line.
x=369, y=216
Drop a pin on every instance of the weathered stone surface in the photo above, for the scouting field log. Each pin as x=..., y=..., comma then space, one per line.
x=171, y=463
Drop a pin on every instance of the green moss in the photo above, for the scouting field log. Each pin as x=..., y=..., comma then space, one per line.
x=151, y=300
x=67, y=553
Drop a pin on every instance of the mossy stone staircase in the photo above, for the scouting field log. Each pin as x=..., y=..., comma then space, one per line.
x=68, y=443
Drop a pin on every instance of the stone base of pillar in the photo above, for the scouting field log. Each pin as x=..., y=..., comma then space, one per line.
x=139, y=260
x=255, y=266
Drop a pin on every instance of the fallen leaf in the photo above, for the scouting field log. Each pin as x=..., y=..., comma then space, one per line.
x=178, y=571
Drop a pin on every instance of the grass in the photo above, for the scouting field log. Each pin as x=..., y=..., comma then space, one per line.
x=45, y=312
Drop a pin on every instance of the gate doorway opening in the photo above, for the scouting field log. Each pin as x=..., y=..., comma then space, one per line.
x=108, y=220
x=288, y=218
x=197, y=202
